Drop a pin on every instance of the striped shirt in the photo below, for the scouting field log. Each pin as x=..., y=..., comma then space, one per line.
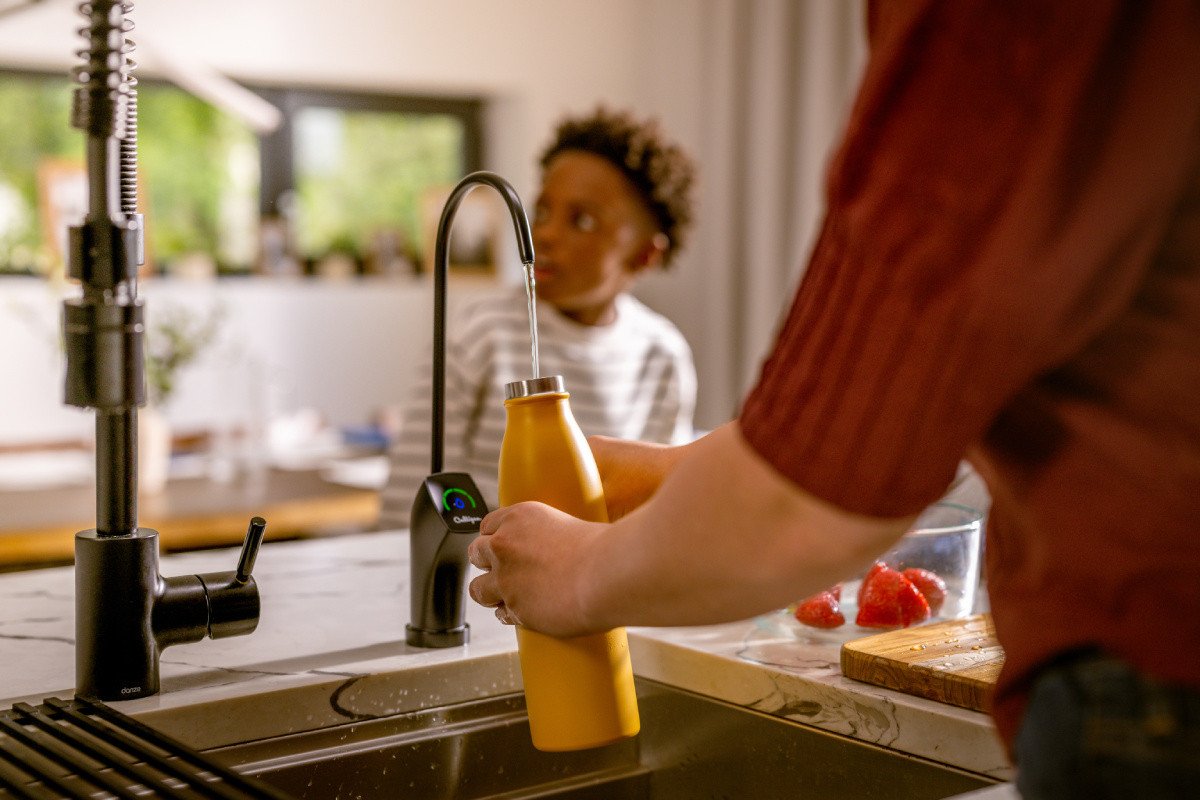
x=632, y=379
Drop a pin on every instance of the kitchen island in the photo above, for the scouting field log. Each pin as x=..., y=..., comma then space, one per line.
x=330, y=648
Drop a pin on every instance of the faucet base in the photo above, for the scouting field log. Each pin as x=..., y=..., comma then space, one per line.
x=419, y=637
x=116, y=582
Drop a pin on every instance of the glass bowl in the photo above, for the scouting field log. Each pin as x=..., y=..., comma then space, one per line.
x=946, y=539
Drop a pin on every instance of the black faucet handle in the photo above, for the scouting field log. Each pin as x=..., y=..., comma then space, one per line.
x=254, y=538
x=233, y=604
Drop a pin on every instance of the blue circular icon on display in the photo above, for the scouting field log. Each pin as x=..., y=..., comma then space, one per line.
x=457, y=499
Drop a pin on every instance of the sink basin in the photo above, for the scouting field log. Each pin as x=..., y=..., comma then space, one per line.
x=690, y=746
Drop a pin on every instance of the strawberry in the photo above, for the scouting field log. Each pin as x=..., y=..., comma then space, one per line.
x=820, y=611
x=875, y=569
x=930, y=584
x=890, y=600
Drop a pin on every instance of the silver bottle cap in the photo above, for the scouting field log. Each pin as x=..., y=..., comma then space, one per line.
x=543, y=385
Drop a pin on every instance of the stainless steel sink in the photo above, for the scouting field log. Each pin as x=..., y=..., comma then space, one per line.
x=690, y=747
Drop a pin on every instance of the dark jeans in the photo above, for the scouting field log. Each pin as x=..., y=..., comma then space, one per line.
x=1097, y=729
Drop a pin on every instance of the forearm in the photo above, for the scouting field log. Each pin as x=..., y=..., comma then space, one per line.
x=632, y=471
x=718, y=560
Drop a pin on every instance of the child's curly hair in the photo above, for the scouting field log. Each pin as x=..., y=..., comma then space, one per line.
x=660, y=170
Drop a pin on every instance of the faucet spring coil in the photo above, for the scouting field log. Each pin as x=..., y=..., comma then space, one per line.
x=129, y=120
x=99, y=105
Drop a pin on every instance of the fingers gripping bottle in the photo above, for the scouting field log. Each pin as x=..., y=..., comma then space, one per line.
x=579, y=691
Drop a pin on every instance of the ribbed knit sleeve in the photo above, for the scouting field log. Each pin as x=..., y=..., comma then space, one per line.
x=994, y=206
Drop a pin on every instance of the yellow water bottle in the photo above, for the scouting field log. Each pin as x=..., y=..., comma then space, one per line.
x=579, y=691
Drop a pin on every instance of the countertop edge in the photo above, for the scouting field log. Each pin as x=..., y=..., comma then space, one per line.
x=331, y=638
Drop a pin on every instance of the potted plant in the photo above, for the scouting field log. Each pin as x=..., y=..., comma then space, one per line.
x=175, y=337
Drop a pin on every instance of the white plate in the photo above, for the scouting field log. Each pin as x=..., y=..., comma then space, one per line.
x=46, y=469
x=360, y=473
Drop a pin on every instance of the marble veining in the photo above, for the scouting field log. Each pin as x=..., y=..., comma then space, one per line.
x=330, y=649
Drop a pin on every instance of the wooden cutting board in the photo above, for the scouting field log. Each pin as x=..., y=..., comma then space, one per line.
x=954, y=662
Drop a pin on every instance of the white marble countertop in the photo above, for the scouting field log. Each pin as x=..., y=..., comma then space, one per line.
x=332, y=631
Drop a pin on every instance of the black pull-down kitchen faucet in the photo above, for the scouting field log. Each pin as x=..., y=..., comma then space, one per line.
x=125, y=611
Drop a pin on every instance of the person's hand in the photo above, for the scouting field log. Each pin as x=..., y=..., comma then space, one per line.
x=631, y=471
x=532, y=558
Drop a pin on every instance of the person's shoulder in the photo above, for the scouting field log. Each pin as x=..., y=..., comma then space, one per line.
x=648, y=323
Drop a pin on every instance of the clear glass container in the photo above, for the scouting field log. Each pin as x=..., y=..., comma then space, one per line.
x=946, y=539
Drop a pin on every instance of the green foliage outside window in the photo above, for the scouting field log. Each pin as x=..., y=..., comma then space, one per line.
x=356, y=171
x=360, y=171
x=198, y=172
x=35, y=115
x=200, y=187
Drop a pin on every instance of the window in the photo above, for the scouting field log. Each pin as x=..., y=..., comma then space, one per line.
x=356, y=167
x=198, y=173
x=347, y=171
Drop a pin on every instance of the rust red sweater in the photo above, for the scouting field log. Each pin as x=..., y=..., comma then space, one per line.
x=1010, y=269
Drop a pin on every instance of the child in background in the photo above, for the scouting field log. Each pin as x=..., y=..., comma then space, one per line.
x=615, y=203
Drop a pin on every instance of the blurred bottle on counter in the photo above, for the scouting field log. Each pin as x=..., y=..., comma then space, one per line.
x=579, y=691
x=249, y=400
x=276, y=239
x=388, y=254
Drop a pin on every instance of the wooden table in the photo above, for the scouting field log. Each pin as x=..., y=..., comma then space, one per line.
x=39, y=526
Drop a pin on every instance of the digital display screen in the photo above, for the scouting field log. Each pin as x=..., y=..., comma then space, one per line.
x=458, y=500
x=454, y=499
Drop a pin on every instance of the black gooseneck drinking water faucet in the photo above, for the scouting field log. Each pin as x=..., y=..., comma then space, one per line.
x=125, y=611
x=449, y=507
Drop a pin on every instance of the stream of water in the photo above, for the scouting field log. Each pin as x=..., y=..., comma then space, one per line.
x=531, y=301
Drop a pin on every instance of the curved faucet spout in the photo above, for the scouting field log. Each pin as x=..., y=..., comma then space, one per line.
x=515, y=209
x=441, y=265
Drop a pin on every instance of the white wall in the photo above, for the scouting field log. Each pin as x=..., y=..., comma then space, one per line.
x=344, y=348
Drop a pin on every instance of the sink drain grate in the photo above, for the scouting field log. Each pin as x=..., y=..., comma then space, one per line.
x=86, y=749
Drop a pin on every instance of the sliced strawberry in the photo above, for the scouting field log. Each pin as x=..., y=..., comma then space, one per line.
x=820, y=611
x=876, y=568
x=930, y=584
x=890, y=600
x=913, y=605
x=836, y=591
